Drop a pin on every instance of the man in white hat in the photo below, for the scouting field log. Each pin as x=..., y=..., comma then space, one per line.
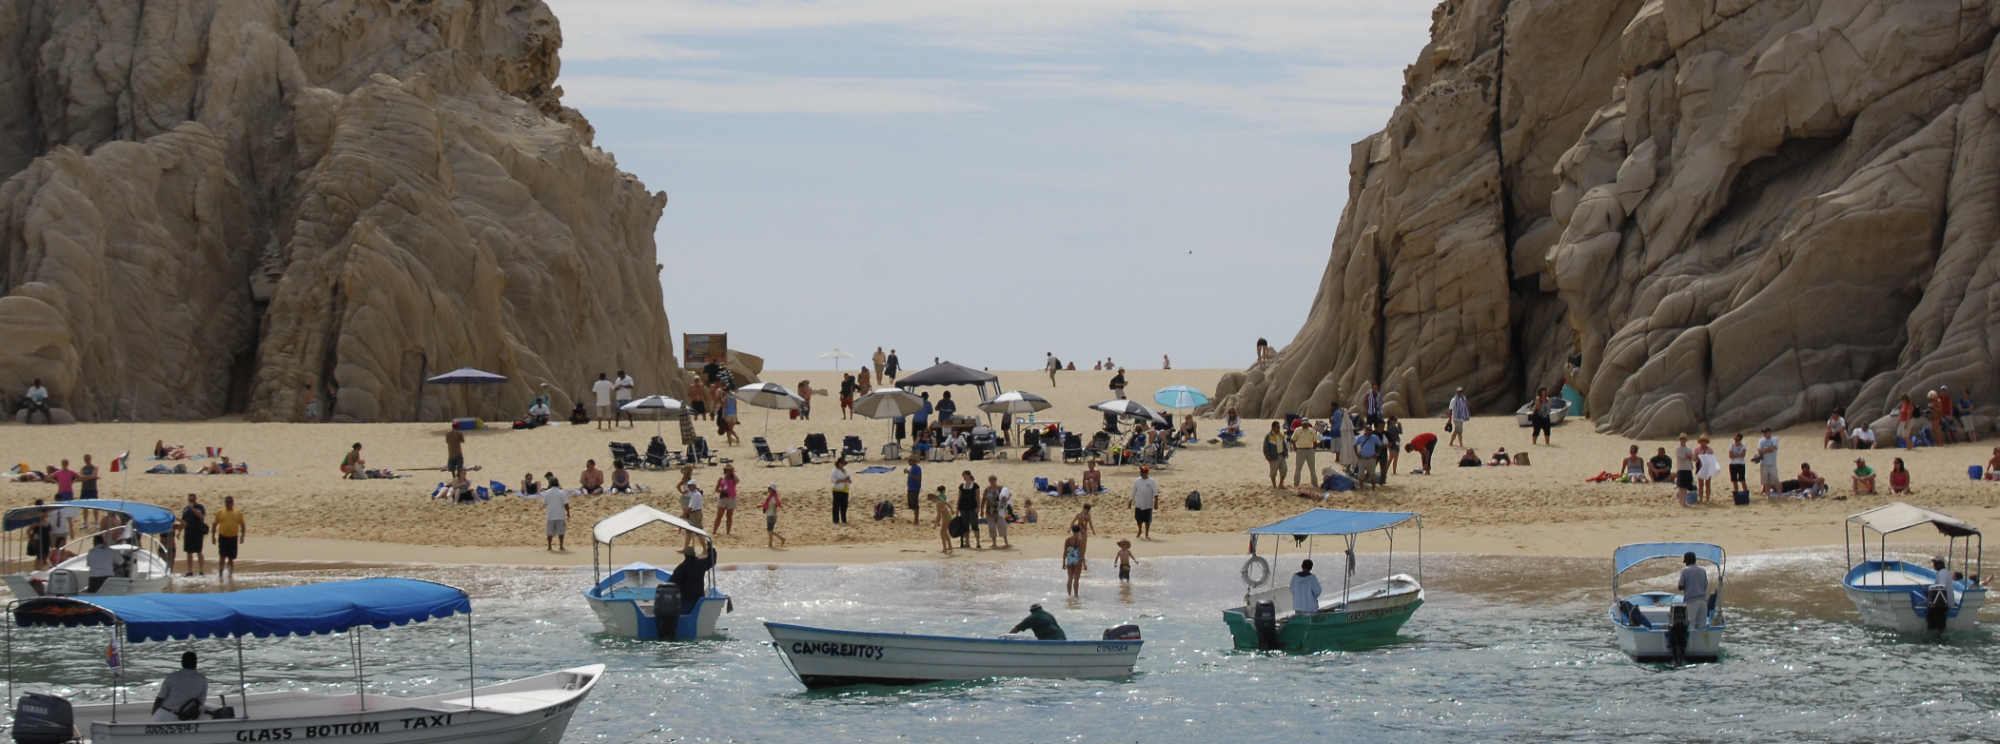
x=1461, y=412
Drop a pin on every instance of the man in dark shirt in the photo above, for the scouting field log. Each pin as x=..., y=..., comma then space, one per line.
x=692, y=577
x=1042, y=623
x=1660, y=467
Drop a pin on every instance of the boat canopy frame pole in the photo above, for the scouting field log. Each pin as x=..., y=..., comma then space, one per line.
x=114, y=672
x=360, y=677
x=471, y=670
x=242, y=684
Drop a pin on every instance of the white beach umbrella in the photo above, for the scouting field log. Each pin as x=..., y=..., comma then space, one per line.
x=1015, y=402
x=660, y=405
x=888, y=403
x=769, y=395
x=836, y=355
x=1129, y=408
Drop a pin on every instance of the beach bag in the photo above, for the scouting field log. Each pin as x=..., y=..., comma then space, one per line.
x=884, y=510
x=1193, y=502
x=1447, y=427
x=957, y=527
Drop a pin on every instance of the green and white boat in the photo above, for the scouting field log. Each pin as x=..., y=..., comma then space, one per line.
x=1356, y=615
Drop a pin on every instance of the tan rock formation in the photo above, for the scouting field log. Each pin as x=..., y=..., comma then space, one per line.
x=1766, y=208
x=211, y=204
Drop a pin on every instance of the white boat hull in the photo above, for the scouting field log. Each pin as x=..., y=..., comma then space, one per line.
x=1894, y=610
x=1889, y=593
x=627, y=618
x=535, y=710
x=821, y=657
x=1558, y=410
x=149, y=573
x=1650, y=644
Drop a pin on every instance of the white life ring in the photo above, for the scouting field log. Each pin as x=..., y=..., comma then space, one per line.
x=1262, y=569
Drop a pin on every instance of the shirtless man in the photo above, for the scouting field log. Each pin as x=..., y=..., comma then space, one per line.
x=592, y=479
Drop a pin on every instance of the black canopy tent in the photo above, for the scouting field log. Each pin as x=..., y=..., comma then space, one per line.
x=949, y=374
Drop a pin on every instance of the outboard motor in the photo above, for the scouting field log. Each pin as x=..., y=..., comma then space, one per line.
x=667, y=610
x=1265, y=620
x=43, y=719
x=1127, y=632
x=1677, y=634
x=1937, y=608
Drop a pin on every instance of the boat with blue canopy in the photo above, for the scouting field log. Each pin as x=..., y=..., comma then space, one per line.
x=140, y=563
x=1907, y=596
x=1664, y=625
x=1364, y=613
x=641, y=600
x=535, y=710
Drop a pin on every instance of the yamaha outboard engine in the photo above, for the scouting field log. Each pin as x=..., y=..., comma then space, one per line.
x=43, y=719
x=1127, y=632
x=667, y=610
x=1677, y=634
x=1265, y=620
x=1937, y=608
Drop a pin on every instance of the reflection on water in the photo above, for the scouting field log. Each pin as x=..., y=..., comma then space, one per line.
x=1510, y=649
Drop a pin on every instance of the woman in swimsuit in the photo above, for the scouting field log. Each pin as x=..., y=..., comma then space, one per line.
x=943, y=518
x=1073, y=558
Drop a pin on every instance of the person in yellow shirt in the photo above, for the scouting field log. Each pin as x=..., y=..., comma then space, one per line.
x=229, y=532
x=1305, y=441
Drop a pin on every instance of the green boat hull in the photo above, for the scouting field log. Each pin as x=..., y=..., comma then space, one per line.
x=1326, y=631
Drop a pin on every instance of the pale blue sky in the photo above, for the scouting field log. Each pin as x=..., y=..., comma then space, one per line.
x=985, y=181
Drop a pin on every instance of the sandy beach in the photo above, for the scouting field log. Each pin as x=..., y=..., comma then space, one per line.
x=302, y=512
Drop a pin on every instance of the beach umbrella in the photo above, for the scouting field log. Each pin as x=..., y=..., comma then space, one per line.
x=1129, y=409
x=658, y=404
x=467, y=376
x=888, y=403
x=1180, y=396
x=836, y=355
x=769, y=396
x=1015, y=402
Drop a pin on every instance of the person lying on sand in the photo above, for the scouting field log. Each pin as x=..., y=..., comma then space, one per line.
x=1470, y=460
x=1500, y=458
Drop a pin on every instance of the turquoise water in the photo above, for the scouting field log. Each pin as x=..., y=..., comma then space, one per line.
x=1513, y=649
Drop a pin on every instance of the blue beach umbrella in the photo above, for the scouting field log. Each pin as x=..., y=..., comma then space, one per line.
x=1180, y=396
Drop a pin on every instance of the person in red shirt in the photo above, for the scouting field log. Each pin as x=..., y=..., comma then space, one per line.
x=1423, y=444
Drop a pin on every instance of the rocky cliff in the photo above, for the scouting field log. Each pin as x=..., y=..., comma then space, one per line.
x=1709, y=214
x=209, y=205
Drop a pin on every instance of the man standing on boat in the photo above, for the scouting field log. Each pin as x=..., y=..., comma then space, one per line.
x=1305, y=589
x=1694, y=592
x=1042, y=623
x=181, y=693
x=691, y=576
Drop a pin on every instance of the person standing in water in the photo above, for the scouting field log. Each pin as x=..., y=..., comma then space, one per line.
x=1072, y=558
x=1124, y=560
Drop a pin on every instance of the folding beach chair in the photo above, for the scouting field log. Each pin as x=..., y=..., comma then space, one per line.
x=816, y=447
x=852, y=448
x=625, y=454
x=699, y=453
x=1072, y=448
x=764, y=452
x=658, y=457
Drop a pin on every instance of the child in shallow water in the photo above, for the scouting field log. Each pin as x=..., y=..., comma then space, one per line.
x=1124, y=560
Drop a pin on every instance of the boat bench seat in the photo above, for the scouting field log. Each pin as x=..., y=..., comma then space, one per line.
x=514, y=703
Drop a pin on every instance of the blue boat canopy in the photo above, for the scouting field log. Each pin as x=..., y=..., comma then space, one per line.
x=1632, y=555
x=146, y=518
x=312, y=609
x=1334, y=522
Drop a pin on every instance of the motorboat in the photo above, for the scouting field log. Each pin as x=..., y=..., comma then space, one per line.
x=1369, y=612
x=1906, y=596
x=535, y=710
x=1558, y=409
x=138, y=569
x=630, y=601
x=1655, y=625
x=824, y=657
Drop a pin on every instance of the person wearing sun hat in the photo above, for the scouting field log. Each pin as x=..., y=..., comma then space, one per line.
x=1042, y=623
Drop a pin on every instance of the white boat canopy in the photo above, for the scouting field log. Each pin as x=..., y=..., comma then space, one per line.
x=1900, y=516
x=612, y=527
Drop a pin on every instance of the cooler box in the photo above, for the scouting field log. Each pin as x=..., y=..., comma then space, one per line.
x=1978, y=472
x=1742, y=497
x=465, y=424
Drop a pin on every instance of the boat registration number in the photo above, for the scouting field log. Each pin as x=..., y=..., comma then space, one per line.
x=1375, y=614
